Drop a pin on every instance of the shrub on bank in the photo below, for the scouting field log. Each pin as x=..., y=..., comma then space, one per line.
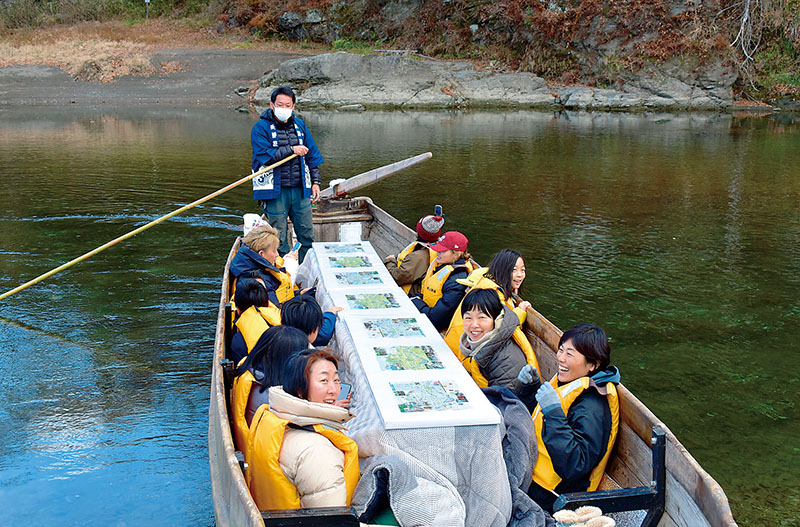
x=19, y=14
x=597, y=42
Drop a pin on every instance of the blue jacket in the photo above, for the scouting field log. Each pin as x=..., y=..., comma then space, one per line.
x=577, y=441
x=267, y=150
x=452, y=295
x=325, y=330
x=246, y=260
x=238, y=347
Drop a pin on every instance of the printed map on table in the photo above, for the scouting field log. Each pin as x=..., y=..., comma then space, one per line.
x=343, y=248
x=349, y=261
x=372, y=301
x=358, y=278
x=407, y=358
x=428, y=396
x=392, y=328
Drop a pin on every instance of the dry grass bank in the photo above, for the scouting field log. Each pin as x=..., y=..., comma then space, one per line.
x=103, y=51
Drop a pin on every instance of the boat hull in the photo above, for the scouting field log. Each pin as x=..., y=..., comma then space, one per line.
x=693, y=498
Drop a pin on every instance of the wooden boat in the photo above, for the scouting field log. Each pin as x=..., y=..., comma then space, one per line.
x=689, y=496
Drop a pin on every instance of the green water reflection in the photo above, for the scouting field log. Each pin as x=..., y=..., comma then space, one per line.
x=680, y=234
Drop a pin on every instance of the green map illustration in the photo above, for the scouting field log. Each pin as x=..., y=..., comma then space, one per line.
x=428, y=396
x=392, y=328
x=349, y=261
x=343, y=248
x=407, y=358
x=372, y=301
x=358, y=278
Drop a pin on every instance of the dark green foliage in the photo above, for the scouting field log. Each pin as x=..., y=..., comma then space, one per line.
x=775, y=71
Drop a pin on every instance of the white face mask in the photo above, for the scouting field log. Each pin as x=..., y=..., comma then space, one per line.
x=282, y=114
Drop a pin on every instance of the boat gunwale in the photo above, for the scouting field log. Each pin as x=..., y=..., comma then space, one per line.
x=707, y=495
x=220, y=428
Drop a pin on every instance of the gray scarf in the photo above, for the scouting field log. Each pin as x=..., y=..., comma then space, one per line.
x=471, y=348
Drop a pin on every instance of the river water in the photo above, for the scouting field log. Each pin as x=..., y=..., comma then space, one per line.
x=680, y=234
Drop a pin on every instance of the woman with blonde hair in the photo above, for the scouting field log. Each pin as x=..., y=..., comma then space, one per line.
x=259, y=252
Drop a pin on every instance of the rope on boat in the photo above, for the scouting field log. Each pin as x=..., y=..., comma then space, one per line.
x=134, y=232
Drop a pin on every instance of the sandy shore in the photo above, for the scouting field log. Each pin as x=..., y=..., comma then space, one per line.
x=204, y=76
x=178, y=63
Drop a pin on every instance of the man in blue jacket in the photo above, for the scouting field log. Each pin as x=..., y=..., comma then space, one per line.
x=288, y=190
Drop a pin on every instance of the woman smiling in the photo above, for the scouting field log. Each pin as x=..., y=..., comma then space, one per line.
x=492, y=347
x=299, y=456
x=577, y=417
x=441, y=289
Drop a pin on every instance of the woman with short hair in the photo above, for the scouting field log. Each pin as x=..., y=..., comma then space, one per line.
x=577, y=417
x=259, y=252
x=492, y=347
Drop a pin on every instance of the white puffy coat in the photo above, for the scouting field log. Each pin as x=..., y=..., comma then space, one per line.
x=309, y=460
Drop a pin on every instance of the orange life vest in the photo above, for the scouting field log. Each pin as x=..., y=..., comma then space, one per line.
x=240, y=395
x=254, y=321
x=433, y=283
x=285, y=290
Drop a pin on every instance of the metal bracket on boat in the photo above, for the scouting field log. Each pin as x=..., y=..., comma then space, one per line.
x=228, y=372
x=242, y=463
x=319, y=517
x=651, y=498
x=228, y=326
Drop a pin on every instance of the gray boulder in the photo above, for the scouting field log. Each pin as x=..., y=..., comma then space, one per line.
x=395, y=81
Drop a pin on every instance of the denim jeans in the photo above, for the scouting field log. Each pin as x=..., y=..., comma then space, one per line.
x=291, y=204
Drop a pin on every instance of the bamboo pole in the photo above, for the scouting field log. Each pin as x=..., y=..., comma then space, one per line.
x=134, y=232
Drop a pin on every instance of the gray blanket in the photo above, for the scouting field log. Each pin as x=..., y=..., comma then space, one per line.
x=415, y=499
x=519, y=453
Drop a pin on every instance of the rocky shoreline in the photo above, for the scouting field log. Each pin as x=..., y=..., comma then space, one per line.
x=347, y=81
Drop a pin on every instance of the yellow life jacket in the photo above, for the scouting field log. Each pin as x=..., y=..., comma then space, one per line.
x=408, y=250
x=456, y=329
x=254, y=321
x=240, y=395
x=269, y=486
x=471, y=365
x=543, y=472
x=433, y=283
x=285, y=289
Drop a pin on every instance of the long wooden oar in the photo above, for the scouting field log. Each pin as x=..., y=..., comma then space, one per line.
x=134, y=232
x=370, y=177
x=355, y=182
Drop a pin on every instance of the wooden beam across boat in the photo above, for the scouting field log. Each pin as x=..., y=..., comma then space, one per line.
x=693, y=498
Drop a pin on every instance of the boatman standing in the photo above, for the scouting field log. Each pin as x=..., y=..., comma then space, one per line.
x=286, y=191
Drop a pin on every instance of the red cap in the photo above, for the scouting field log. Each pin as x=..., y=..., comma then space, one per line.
x=451, y=241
